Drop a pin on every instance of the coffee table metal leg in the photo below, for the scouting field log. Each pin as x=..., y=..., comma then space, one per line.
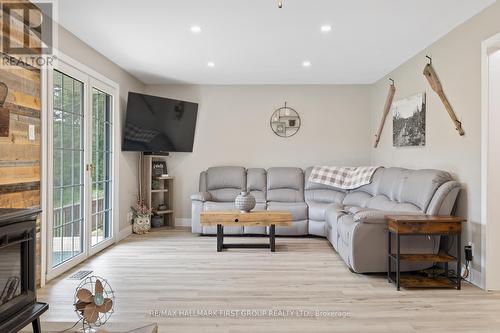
x=459, y=261
x=398, y=263
x=272, y=243
x=389, y=259
x=220, y=237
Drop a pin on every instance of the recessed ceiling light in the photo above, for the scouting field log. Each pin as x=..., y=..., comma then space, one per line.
x=306, y=63
x=211, y=64
x=326, y=28
x=196, y=29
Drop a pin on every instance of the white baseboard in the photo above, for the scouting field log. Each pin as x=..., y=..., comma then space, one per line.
x=124, y=233
x=182, y=222
x=476, y=278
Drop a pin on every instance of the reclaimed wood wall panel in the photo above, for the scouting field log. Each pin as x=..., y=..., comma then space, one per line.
x=20, y=157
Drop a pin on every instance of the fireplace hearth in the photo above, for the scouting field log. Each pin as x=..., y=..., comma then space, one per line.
x=18, y=305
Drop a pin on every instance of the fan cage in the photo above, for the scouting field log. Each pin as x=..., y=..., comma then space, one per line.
x=108, y=292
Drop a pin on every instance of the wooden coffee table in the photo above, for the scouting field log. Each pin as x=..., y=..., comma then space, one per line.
x=252, y=219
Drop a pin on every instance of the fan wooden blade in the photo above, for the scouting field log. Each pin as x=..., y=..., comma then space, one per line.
x=81, y=305
x=98, y=287
x=90, y=313
x=106, y=306
x=85, y=295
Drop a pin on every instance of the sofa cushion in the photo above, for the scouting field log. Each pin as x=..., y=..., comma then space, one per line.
x=226, y=177
x=226, y=182
x=256, y=183
x=317, y=210
x=201, y=196
x=357, y=198
x=381, y=202
x=372, y=188
x=285, y=185
x=333, y=214
x=376, y=216
x=419, y=186
x=211, y=206
x=297, y=209
x=319, y=192
x=345, y=227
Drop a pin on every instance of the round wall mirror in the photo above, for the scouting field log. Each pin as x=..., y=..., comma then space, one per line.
x=285, y=122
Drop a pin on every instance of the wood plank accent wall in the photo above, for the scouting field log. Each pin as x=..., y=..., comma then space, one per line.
x=19, y=156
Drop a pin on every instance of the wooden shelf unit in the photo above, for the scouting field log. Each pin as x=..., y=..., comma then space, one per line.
x=156, y=196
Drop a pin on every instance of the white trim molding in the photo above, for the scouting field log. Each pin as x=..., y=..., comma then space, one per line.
x=490, y=215
x=91, y=79
x=124, y=233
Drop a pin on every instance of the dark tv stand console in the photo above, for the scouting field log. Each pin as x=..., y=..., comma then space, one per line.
x=29, y=315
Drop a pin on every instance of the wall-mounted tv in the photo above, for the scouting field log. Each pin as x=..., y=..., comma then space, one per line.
x=159, y=125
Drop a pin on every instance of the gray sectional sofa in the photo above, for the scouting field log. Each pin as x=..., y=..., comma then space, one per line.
x=353, y=221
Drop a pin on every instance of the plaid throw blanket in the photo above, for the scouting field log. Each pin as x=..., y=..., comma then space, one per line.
x=346, y=178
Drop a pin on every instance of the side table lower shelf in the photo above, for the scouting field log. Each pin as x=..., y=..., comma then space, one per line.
x=415, y=281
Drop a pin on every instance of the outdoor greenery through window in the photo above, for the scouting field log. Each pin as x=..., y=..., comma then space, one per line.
x=101, y=161
x=68, y=120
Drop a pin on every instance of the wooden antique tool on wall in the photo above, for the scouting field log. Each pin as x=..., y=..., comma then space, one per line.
x=387, y=108
x=435, y=84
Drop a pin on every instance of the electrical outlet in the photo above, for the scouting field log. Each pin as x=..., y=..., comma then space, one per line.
x=31, y=132
x=468, y=253
x=472, y=248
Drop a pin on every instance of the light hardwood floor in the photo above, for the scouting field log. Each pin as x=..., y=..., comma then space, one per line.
x=175, y=270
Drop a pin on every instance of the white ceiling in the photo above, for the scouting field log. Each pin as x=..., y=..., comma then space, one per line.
x=254, y=42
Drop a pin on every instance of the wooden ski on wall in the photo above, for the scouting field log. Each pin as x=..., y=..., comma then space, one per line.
x=387, y=108
x=436, y=85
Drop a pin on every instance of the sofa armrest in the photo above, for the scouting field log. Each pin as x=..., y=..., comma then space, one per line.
x=378, y=216
x=201, y=196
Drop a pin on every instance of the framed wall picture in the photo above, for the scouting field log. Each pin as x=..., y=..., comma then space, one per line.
x=159, y=168
x=408, y=121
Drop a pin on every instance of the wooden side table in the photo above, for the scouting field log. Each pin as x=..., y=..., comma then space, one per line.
x=404, y=225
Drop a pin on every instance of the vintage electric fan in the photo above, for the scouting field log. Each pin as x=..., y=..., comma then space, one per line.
x=94, y=302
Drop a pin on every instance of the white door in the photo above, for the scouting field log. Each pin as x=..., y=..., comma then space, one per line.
x=80, y=168
x=101, y=165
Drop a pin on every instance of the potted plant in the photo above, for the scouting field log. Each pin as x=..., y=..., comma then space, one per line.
x=142, y=218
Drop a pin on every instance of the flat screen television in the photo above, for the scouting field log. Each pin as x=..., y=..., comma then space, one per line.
x=159, y=125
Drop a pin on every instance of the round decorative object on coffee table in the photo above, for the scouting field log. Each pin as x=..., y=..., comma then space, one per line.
x=245, y=202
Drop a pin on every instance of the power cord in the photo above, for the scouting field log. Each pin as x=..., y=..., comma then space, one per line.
x=79, y=320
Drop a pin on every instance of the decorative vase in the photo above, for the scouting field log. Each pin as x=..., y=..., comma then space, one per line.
x=141, y=225
x=245, y=202
x=157, y=221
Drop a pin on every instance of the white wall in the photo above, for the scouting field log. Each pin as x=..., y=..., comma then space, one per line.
x=233, y=129
x=457, y=60
x=78, y=50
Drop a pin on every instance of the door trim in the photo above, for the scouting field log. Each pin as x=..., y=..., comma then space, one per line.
x=88, y=76
x=490, y=222
x=104, y=87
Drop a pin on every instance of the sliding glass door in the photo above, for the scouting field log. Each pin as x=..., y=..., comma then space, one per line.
x=81, y=169
x=67, y=170
x=102, y=166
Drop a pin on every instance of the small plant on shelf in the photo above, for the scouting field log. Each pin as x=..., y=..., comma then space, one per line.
x=142, y=218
